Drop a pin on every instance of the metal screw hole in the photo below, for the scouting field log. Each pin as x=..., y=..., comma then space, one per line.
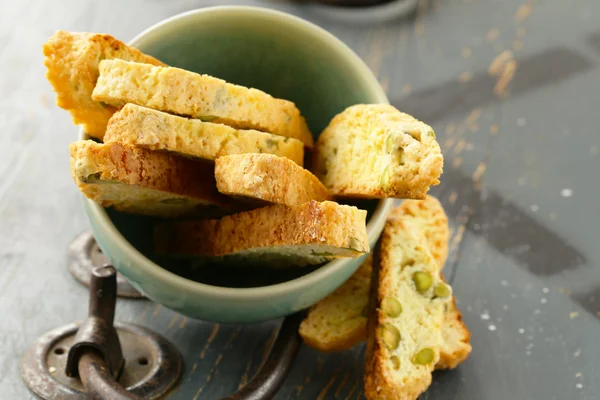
x=59, y=351
x=142, y=361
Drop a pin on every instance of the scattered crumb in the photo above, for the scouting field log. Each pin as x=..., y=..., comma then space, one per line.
x=577, y=375
x=474, y=116
x=466, y=52
x=492, y=35
x=566, y=192
x=521, y=122
x=485, y=316
x=577, y=353
x=503, y=283
x=494, y=129
x=465, y=77
x=523, y=12
x=459, y=146
x=521, y=331
x=452, y=198
x=535, y=208
x=492, y=327
x=406, y=89
x=573, y=314
x=536, y=311
x=579, y=386
x=52, y=370
x=528, y=352
x=505, y=78
x=543, y=301
x=545, y=290
x=499, y=62
x=479, y=171
x=505, y=307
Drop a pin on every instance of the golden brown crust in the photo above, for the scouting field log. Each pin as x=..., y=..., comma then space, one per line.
x=428, y=217
x=157, y=130
x=456, y=346
x=72, y=60
x=268, y=178
x=309, y=224
x=376, y=151
x=135, y=179
x=186, y=93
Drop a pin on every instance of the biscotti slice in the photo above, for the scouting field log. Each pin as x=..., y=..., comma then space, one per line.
x=186, y=93
x=429, y=218
x=408, y=299
x=141, y=181
x=268, y=178
x=376, y=151
x=157, y=130
x=72, y=60
x=456, y=338
x=273, y=236
x=338, y=322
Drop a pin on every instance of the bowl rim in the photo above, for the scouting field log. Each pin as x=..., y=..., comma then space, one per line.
x=150, y=268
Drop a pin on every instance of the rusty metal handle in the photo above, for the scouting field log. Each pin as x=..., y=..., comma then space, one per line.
x=98, y=382
x=97, y=358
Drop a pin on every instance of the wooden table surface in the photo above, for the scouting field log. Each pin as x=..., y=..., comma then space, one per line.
x=521, y=142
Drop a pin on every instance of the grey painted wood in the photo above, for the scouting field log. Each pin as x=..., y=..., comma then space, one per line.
x=520, y=185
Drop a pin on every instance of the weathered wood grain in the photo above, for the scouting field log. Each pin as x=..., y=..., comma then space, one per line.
x=524, y=257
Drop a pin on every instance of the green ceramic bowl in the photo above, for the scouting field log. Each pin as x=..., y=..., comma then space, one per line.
x=288, y=58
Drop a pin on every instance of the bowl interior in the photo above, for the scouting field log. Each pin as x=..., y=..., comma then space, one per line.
x=265, y=51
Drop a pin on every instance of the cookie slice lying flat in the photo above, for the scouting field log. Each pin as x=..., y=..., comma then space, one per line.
x=275, y=236
x=376, y=151
x=141, y=181
x=406, y=315
x=157, y=130
x=72, y=60
x=268, y=178
x=186, y=93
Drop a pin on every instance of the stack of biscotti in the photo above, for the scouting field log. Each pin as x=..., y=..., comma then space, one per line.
x=172, y=143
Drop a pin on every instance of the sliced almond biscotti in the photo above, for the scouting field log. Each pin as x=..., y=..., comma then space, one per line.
x=72, y=60
x=376, y=151
x=157, y=130
x=268, y=178
x=406, y=316
x=186, y=93
x=141, y=181
x=274, y=236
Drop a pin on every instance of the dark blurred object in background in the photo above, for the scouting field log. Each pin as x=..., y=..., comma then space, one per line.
x=361, y=11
